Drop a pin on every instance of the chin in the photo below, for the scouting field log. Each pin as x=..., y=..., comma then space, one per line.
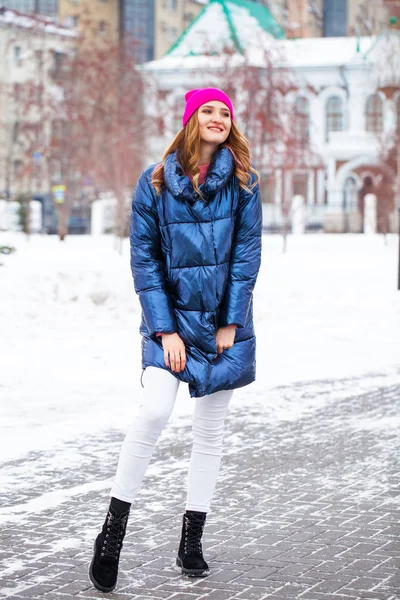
x=218, y=138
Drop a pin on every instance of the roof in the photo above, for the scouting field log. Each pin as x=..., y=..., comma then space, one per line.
x=248, y=31
x=302, y=53
x=226, y=24
x=14, y=18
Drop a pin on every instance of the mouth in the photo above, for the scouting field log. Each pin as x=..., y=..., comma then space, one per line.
x=217, y=129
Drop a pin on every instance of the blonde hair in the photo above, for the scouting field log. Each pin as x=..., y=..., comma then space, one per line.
x=187, y=146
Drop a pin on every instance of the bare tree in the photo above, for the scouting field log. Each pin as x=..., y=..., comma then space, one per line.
x=271, y=111
x=387, y=77
x=89, y=126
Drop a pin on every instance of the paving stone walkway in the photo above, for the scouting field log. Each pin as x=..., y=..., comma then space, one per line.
x=307, y=507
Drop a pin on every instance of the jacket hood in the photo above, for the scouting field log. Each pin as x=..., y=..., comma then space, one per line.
x=220, y=171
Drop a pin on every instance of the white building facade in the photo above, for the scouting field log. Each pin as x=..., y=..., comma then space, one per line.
x=30, y=50
x=349, y=93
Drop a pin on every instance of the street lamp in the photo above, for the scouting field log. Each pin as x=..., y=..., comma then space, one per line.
x=398, y=210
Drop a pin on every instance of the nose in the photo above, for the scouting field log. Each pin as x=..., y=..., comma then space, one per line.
x=217, y=121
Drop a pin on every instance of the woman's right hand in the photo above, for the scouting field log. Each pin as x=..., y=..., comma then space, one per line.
x=174, y=352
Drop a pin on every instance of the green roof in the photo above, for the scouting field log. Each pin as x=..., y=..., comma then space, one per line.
x=238, y=37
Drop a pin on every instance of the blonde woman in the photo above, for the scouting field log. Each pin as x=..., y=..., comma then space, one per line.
x=195, y=255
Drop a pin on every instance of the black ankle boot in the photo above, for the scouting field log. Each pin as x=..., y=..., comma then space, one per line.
x=190, y=554
x=103, y=571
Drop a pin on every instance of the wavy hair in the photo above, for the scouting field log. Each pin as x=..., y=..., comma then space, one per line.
x=187, y=146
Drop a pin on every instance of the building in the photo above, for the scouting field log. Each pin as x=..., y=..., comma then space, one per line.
x=347, y=91
x=315, y=18
x=94, y=20
x=137, y=20
x=100, y=18
x=171, y=18
x=30, y=51
x=47, y=8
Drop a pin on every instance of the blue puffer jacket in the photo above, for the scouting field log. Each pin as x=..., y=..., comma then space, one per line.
x=194, y=264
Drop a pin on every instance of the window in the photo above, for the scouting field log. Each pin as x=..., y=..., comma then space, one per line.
x=170, y=4
x=334, y=115
x=16, y=130
x=47, y=7
x=374, y=114
x=302, y=120
x=188, y=17
x=102, y=27
x=137, y=19
x=269, y=188
x=27, y=6
x=17, y=55
x=300, y=185
x=172, y=34
x=272, y=126
x=58, y=61
x=17, y=92
x=39, y=58
x=350, y=194
x=398, y=115
x=335, y=18
x=17, y=168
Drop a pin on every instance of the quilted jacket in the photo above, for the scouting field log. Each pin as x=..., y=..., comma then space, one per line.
x=195, y=262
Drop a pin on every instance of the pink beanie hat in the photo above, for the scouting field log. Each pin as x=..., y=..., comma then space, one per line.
x=196, y=98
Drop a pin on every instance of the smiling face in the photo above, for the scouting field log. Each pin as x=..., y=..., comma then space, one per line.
x=214, y=122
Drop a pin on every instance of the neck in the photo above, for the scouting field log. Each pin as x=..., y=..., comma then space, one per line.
x=206, y=152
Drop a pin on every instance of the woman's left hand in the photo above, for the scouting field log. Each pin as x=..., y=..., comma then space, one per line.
x=225, y=338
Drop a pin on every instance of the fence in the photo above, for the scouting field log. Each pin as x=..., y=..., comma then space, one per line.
x=318, y=218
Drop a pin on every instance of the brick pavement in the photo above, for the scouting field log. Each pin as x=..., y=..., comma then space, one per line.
x=306, y=507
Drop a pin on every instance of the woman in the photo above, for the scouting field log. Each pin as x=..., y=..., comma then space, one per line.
x=195, y=256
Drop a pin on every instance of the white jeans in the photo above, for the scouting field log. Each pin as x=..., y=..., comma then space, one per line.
x=160, y=390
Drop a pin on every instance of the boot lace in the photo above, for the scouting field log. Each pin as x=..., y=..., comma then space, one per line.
x=114, y=534
x=193, y=531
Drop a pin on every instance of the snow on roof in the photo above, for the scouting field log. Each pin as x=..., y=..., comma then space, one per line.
x=326, y=51
x=231, y=24
x=297, y=53
x=243, y=27
x=14, y=18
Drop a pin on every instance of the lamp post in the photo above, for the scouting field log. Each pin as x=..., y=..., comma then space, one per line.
x=398, y=210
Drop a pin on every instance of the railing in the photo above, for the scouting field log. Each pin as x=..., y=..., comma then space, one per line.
x=318, y=218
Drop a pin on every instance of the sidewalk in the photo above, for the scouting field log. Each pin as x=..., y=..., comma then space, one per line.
x=306, y=507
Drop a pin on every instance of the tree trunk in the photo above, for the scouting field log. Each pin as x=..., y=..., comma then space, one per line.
x=120, y=221
x=62, y=228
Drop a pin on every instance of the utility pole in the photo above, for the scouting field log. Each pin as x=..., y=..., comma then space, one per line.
x=398, y=210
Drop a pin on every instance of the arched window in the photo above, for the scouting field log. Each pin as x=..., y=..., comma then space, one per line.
x=302, y=120
x=334, y=115
x=350, y=194
x=374, y=114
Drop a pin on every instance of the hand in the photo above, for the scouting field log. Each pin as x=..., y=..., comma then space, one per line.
x=174, y=352
x=225, y=338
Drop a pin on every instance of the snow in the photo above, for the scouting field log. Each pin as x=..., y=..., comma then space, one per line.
x=328, y=309
x=21, y=20
x=302, y=53
x=324, y=52
x=210, y=32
